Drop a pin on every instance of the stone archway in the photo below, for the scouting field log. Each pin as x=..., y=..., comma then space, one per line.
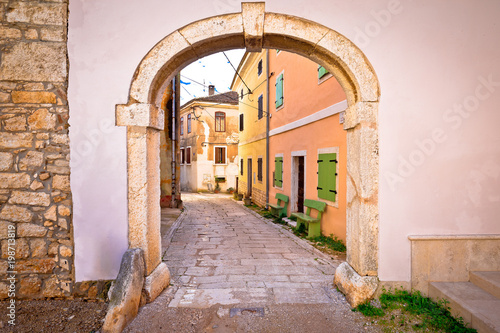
x=252, y=29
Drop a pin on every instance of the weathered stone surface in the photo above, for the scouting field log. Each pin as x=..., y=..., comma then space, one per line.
x=16, y=214
x=357, y=289
x=30, y=198
x=4, y=290
x=15, y=140
x=31, y=34
x=6, y=161
x=21, y=248
x=14, y=180
x=64, y=210
x=52, y=288
x=36, y=185
x=253, y=24
x=51, y=213
x=4, y=97
x=38, y=247
x=44, y=176
x=4, y=229
x=144, y=115
x=34, y=61
x=15, y=124
x=32, y=159
x=60, y=139
x=156, y=282
x=42, y=119
x=60, y=182
x=12, y=33
x=53, y=34
x=31, y=230
x=65, y=251
x=37, y=13
x=34, y=97
x=53, y=249
x=125, y=294
x=4, y=267
x=43, y=266
x=30, y=286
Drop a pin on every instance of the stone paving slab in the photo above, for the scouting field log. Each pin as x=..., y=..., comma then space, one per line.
x=223, y=253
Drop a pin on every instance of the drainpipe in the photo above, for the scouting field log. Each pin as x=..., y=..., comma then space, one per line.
x=267, y=129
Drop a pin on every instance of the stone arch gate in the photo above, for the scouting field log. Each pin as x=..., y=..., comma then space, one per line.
x=252, y=29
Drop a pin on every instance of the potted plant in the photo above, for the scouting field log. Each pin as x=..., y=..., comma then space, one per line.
x=230, y=190
x=247, y=200
x=240, y=196
x=217, y=188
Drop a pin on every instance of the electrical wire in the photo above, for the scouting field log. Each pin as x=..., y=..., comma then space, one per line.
x=249, y=91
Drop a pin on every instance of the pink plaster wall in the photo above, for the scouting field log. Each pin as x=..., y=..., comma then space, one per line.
x=431, y=57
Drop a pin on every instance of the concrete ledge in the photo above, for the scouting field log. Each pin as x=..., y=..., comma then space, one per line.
x=357, y=289
x=156, y=282
x=453, y=237
x=142, y=115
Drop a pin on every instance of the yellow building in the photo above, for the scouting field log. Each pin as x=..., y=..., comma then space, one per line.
x=252, y=88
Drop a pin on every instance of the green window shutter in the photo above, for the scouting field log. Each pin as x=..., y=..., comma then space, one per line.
x=327, y=176
x=278, y=172
x=279, y=91
x=322, y=71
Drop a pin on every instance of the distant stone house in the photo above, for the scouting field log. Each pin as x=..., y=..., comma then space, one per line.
x=209, y=142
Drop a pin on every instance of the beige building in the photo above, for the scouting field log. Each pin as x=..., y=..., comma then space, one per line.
x=209, y=142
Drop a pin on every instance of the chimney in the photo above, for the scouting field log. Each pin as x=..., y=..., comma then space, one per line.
x=211, y=89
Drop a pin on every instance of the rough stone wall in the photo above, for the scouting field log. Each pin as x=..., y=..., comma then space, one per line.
x=259, y=197
x=35, y=195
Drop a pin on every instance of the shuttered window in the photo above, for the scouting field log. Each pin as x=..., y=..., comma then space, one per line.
x=188, y=155
x=189, y=123
x=182, y=125
x=327, y=176
x=260, y=103
x=241, y=167
x=241, y=122
x=278, y=171
x=259, y=67
x=220, y=155
x=220, y=122
x=183, y=156
x=259, y=169
x=279, y=91
x=322, y=71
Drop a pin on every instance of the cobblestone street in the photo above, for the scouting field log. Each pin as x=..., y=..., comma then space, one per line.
x=224, y=254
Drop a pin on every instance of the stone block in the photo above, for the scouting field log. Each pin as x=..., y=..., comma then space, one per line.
x=4, y=229
x=15, y=124
x=53, y=34
x=15, y=140
x=253, y=24
x=10, y=33
x=125, y=295
x=65, y=251
x=33, y=159
x=21, y=249
x=144, y=115
x=36, y=185
x=14, y=180
x=156, y=282
x=30, y=286
x=51, y=213
x=64, y=210
x=16, y=214
x=60, y=182
x=33, y=97
x=52, y=288
x=4, y=290
x=35, y=61
x=37, y=13
x=6, y=161
x=38, y=247
x=31, y=34
x=30, y=198
x=31, y=230
x=42, y=266
x=357, y=289
x=42, y=119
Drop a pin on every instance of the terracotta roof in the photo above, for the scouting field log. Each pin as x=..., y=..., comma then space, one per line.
x=230, y=97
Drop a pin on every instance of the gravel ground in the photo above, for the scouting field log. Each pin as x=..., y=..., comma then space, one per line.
x=54, y=316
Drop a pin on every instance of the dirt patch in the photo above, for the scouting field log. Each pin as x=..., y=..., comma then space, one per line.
x=54, y=316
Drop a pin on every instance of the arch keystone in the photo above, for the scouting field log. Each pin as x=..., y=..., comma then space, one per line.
x=253, y=25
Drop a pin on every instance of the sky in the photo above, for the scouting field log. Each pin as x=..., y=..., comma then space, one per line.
x=213, y=69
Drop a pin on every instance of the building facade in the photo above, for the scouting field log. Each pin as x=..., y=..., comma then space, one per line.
x=209, y=142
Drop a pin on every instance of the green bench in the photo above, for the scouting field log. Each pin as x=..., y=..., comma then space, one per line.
x=314, y=223
x=278, y=210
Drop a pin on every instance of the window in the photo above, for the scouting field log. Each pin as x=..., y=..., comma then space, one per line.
x=220, y=122
x=220, y=155
x=188, y=155
x=260, y=106
x=241, y=122
x=259, y=67
x=241, y=167
x=279, y=91
x=259, y=169
x=183, y=156
x=189, y=123
x=182, y=125
x=327, y=176
x=322, y=71
x=278, y=172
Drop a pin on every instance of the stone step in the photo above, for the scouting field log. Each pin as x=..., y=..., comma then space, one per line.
x=478, y=308
x=488, y=281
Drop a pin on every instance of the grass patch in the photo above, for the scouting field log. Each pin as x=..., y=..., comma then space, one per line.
x=331, y=242
x=411, y=311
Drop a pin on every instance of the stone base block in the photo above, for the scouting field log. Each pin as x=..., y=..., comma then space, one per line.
x=357, y=289
x=156, y=282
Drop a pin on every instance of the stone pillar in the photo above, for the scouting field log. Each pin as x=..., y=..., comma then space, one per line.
x=144, y=123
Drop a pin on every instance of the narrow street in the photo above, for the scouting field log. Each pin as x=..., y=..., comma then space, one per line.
x=233, y=271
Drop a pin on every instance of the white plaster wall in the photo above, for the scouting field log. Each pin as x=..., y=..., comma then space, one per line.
x=429, y=57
